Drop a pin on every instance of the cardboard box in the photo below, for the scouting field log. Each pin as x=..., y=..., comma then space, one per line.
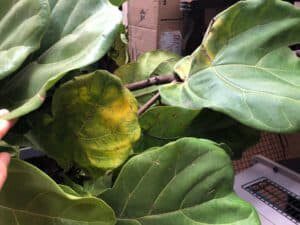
x=154, y=24
x=149, y=13
x=141, y=40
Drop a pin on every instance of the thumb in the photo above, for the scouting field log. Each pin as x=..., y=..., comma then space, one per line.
x=4, y=162
x=4, y=124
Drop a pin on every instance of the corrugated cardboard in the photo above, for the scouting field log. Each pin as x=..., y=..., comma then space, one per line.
x=154, y=24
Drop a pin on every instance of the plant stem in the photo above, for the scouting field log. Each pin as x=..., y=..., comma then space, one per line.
x=165, y=79
x=152, y=101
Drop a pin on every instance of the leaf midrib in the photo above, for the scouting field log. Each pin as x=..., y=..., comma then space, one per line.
x=233, y=85
x=159, y=195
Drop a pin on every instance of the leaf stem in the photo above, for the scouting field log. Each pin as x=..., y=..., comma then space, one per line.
x=163, y=79
x=151, y=102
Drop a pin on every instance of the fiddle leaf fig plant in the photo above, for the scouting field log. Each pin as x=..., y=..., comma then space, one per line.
x=151, y=142
x=79, y=38
x=30, y=197
x=164, y=124
x=20, y=35
x=172, y=185
x=252, y=78
x=93, y=124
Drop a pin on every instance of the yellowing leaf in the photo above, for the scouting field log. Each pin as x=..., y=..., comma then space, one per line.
x=94, y=123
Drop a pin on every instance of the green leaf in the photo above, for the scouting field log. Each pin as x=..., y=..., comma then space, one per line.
x=22, y=25
x=67, y=15
x=149, y=64
x=163, y=124
x=94, y=123
x=186, y=182
x=30, y=197
x=91, y=187
x=68, y=190
x=119, y=52
x=97, y=186
x=88, y=36
x=117, y=2
x=146, y=65
x=244, y=67
x=4, y=147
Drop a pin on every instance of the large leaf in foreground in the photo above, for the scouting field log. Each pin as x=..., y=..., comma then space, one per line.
x=94, y=123
x=86, y=42
x=244, y=67
x=30, y=197
x=22, y=25
x=163, y=124
x=186, y=182
x=66, y=15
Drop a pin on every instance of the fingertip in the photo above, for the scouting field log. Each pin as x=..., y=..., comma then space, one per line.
x=3, y=112
x=4, y=162
x=4, y=127
x=3, y=176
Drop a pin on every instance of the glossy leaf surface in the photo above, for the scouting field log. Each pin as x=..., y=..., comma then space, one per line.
x=244, y=67
x=85, y=35
x=22, y=25
x=94, y=123
x=30, y=197
x=188, y=182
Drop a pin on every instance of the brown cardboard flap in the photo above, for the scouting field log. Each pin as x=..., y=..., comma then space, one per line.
x=154, y=24
x=141, y=40
x=149, y=13
x=143, y=13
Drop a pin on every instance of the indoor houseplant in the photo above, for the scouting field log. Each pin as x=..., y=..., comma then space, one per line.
x=150, y=166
